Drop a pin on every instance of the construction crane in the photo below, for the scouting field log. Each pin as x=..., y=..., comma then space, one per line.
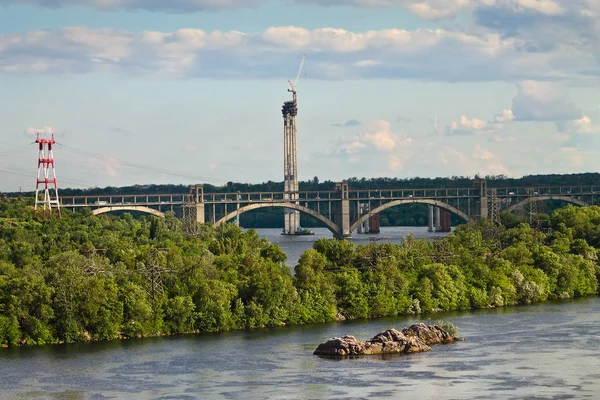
x=294, y=86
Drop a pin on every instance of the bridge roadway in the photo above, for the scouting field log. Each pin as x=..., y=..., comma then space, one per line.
x=337, y=209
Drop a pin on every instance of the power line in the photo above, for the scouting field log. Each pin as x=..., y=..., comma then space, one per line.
x=130, y=164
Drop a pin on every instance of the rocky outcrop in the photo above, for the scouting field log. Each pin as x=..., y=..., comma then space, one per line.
x=413, y=339
x=429, y=334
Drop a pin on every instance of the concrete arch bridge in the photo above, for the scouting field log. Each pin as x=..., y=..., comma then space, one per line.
x=342, y=210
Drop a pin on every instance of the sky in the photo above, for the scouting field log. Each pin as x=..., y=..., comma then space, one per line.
x=190, y=91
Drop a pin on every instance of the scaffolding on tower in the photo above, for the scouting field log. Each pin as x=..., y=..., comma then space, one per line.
x=46, y=189
x=290, y=158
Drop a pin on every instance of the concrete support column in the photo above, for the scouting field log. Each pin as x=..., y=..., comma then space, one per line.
x=483, y=209
x=342, y=212
x=198, y=193
x=430, y=219
x=481, y=186
x=437, y=219
x=200, y=213
x=363, y=209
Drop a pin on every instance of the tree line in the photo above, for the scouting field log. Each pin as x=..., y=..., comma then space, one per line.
x=84, y=277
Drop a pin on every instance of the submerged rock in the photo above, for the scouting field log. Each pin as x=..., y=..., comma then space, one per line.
x=413, y=339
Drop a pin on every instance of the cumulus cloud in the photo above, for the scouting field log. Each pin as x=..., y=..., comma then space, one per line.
x=542, y=25
x=376, y=135
x=375, y=144
x=170, y=6
x=505, y=116
x=543, y=101
x=466, y=127
x=333, y=54
x=581, y=125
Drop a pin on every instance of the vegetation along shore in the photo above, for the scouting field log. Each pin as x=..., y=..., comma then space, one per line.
x=82, y=277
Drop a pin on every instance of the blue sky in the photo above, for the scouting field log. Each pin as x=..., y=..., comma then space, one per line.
x=139, y=93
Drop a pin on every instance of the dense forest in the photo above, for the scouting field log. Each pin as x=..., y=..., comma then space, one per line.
x=82, y=277
x=407, y=215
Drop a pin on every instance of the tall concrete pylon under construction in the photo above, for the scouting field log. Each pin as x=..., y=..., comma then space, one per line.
x=290, y=157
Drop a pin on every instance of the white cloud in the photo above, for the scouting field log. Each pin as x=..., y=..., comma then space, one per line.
x=579, y=126
x=376, y=145
x=466, y=127
x=336, y=54
x=395, y=163
x=488, y=163
x=505, y=116
x=45, y=130
x=376, y=135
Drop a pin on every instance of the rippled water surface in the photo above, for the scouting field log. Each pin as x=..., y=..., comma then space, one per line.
x=546, y=351
x=294, y=246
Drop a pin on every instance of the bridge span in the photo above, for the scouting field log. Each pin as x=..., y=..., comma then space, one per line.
x=341, y=210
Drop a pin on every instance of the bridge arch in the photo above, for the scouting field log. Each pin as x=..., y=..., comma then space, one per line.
x=328, y=223
x=566, y=199
x=395, y=203
x=143, y=209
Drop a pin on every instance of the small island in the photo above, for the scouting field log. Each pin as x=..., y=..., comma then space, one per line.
x=414, y=339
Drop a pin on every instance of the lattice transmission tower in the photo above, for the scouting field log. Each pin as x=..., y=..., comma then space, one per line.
x=46, y=189
x=532, y=211
x=190, y=210
x=153, y=273
x=494, y=209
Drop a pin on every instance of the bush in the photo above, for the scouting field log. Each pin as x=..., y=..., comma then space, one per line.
x=448, y=327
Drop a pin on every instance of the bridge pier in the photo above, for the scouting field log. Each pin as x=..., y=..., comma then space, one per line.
x=430, y=219
x=481, y=185
x=197, y=191
x=342, y=212
x=200, y=213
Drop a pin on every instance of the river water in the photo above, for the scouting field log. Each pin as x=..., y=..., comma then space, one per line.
x=295, y=246
x=548, y=351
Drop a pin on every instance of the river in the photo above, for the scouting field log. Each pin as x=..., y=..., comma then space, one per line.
x=541, y=351
x=295, y=246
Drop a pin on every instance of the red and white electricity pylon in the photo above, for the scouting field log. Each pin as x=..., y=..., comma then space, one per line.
x=46, y=178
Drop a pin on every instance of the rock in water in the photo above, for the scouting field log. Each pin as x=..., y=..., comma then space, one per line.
x=429, y=334
x=344, y=346
x=413, y=339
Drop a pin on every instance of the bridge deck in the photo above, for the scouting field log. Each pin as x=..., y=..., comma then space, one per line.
x=169, y=199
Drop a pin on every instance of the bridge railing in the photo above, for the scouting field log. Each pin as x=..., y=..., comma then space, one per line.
x=325, y=196
x=575, y=190
x=412, y=193
x=124, y=199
